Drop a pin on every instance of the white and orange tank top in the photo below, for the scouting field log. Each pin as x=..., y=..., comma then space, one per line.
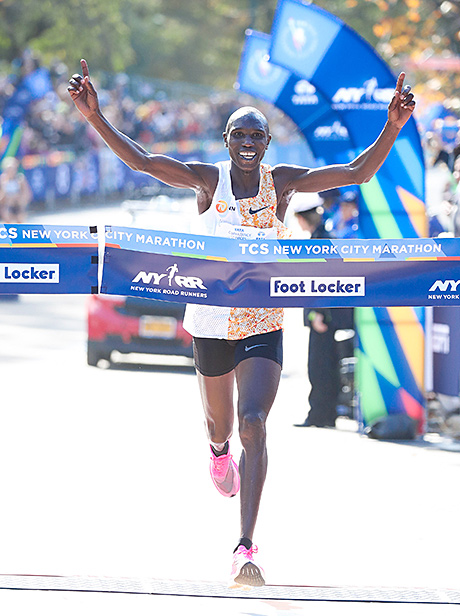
x=240, y=219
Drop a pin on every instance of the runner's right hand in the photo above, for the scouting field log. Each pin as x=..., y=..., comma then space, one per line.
x=83, y=93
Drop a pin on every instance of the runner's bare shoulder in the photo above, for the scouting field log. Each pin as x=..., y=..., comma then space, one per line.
x=284, y=175
x=209, y=174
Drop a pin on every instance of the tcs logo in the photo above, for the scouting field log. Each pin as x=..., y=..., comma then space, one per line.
x=221, y=206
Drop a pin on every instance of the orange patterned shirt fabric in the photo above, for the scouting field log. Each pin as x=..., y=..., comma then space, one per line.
x=260, y=212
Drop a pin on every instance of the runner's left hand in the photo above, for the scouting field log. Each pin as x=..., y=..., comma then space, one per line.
x=402, y=104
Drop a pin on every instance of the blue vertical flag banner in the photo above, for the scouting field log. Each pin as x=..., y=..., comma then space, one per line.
x=48, y=259
x=358, y=85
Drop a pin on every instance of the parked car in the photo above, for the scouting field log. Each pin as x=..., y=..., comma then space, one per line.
x=135, y=324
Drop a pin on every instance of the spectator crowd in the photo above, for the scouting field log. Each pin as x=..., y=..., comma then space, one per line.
x=142, y=109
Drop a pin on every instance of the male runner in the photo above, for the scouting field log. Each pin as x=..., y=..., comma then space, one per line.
x=241, y=344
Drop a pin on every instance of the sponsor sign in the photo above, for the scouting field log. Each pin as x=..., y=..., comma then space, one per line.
x=30, y=272
x=304, y=93
x=301, y=39
x=444, y=289
x=368, y=96
x=253, y=244
x=334, y=132
x=169, y=282
x=48, y=259
x=322, y=286
x=262, y=71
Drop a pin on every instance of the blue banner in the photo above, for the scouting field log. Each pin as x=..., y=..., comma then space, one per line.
x=319, y=47
x=281, y=273
x=228, y=272
x=48, y=259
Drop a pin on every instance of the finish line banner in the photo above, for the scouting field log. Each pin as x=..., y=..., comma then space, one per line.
x=48, y=259
x=258, y=272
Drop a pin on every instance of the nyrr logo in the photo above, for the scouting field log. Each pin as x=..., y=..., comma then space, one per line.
x=327, y=286
x=169, y=277
x=445, y=285
x=447, y=289
x=221, y=206
x=29, y=272
x=368, y=96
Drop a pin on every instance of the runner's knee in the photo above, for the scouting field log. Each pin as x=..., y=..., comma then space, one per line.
x=218, y=431
x=252, y=427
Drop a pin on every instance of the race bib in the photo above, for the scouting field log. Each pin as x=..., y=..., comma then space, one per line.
x=224, y=229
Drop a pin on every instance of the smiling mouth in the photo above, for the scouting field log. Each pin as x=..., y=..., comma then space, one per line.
x=248, y=155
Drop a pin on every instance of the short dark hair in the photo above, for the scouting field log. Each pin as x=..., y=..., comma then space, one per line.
x=246, y=111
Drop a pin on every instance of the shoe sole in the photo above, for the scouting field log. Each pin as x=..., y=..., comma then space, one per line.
x=244, y=581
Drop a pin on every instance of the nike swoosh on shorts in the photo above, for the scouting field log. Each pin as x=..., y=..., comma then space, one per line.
x=254, y=346
x=252, y=212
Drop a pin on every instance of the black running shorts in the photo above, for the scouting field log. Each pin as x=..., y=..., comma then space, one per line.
x=214, y=356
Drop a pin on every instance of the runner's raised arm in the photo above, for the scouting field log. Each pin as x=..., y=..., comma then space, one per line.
x=164, y=168
x=290, y=178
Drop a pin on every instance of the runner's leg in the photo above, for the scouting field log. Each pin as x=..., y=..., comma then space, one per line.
x=257, y=381
x=217, y=397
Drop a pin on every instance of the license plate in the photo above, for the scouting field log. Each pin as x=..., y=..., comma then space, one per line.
x=157, y=327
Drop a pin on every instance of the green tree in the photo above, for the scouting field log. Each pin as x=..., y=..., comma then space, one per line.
x=198, y=41
x=201, y=41
x=64, y=30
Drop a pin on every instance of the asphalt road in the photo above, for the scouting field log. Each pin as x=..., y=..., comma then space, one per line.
x=105, y=473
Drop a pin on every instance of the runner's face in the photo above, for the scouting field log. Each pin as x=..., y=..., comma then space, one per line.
x=247, y=139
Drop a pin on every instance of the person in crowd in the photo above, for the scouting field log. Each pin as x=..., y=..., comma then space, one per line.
x=242, y=345
x=330, y=202
x=445, y=132
x=344, y=223
x=15, y=192
x=323, y=350
x=449, y=211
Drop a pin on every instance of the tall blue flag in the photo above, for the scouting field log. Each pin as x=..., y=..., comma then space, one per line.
x=358, y=85
x=317, y=46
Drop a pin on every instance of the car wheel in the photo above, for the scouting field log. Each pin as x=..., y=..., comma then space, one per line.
x=94, y=355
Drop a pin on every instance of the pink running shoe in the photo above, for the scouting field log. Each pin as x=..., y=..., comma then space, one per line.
x=245, y=573
x=224, y=474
